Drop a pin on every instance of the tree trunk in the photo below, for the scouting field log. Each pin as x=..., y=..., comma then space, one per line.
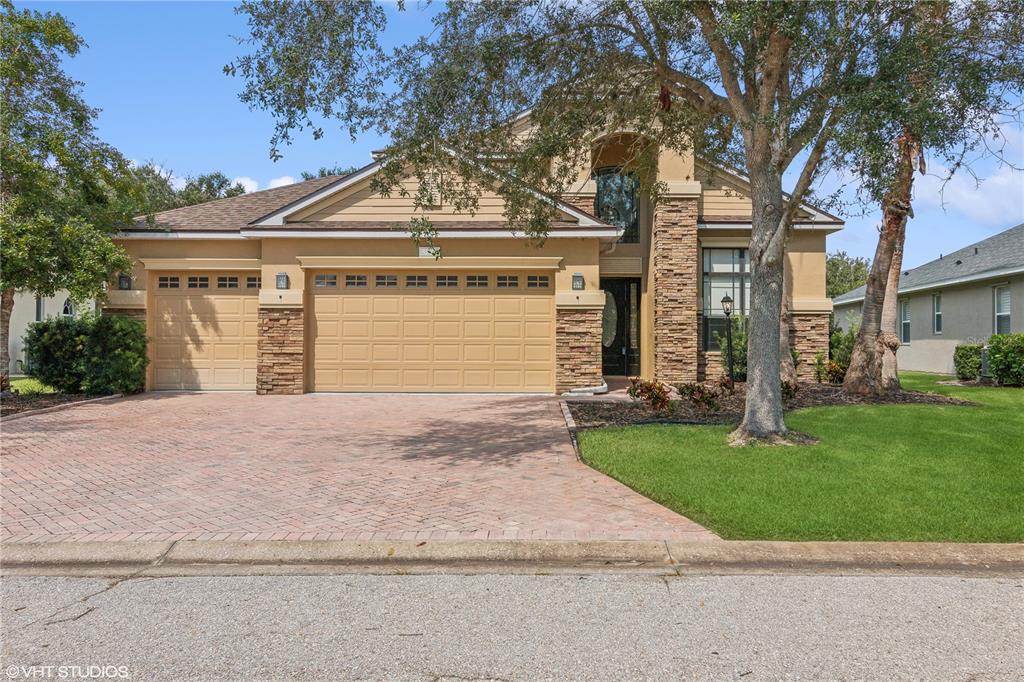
x=6, y=306
x=762, y=416
x=875, y=340
x=890, y=311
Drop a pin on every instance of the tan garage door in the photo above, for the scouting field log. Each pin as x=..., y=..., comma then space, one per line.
x=433, y=331
x=205, y=328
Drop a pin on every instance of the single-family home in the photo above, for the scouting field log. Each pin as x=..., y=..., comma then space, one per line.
x=960, y=297
x=317, y=286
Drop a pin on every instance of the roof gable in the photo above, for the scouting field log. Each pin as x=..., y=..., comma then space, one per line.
x=995, y=256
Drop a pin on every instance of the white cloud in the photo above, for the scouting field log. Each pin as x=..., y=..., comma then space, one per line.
x=248, y=183
x=281, y=181
x=993, y=201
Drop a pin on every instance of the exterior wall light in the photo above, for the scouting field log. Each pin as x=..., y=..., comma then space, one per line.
x=124, y=282
x=282, y=280
x=578, y=283
x=727, y=309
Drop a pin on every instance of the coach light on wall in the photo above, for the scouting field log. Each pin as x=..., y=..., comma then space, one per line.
x=578, y=284
x=124, y=282
x=282, y=280
x=727, y=309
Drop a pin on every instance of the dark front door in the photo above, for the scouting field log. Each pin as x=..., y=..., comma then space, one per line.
x=620, y=333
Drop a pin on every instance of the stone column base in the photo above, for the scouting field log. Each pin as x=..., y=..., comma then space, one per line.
x=808, y=334
x=280, y=354
x=578, y=348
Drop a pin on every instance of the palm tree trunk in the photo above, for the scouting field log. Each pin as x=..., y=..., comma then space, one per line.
x=877, y=340
x=6, y=307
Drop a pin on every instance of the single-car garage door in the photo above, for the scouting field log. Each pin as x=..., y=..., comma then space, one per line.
x=205, y=329
x=433, y=331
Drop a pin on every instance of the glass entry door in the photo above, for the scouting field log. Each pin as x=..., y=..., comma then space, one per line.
x=620, y=331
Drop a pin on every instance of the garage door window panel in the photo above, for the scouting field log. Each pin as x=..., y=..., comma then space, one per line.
x=198, y=282
x=356, y=281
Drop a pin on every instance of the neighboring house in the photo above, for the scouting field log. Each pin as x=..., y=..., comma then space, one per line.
x=29, y=308
x=961, y=297
x=317, y=286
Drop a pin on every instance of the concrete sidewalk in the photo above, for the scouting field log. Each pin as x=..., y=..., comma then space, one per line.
x=129, y=559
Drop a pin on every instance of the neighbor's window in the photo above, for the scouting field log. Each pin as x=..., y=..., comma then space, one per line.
x=447, y=281
x=508, y=281
x=69, y=308
x=253, y=282
x=199, y=282
x=227, y=282
x=936, y=313
x=356, y=281
x=726, y=271
x=617, y=202
x=322, y=280
x=416, y=281
x=904, y=321
x=386, y=281
x=537, y=281
x=476, y=281
x=1002, y=309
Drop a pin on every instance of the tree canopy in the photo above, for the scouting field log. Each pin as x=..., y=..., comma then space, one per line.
x=160, y=194
x=844, y=273
x=324, y=171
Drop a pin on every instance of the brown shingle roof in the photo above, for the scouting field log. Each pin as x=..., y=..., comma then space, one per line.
x=403, y=225
x=233, y=213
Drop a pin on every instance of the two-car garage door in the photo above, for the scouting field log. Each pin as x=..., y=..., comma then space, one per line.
x=433, y=331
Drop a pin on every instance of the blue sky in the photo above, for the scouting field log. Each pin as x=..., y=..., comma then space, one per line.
x=154, y=69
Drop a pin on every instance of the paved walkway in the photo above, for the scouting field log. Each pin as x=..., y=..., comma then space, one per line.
x=163, y=467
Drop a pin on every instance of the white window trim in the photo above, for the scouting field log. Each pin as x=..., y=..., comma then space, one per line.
x=995, y=308
x=937, y=314
x=904, y=307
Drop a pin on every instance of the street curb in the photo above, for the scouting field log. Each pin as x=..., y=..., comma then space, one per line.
x=503, y=556
x=570, y=425
x=58, y=408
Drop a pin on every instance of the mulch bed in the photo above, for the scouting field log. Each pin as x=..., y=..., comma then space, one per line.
x=13, y=403
x=594, y=414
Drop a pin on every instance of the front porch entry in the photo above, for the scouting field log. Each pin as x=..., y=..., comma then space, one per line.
x=620, y=327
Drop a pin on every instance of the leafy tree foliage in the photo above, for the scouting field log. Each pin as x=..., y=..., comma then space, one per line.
x=324, y=171
x=160, y=193
x=62, y=189
x=844, y=273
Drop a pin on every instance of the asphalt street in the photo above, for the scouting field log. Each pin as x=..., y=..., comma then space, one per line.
x=515, y=627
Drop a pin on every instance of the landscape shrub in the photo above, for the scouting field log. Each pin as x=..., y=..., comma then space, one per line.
x=89, y=354
x=820, y=367
x=789, y=389
x=115, y=356
x=54, y=349
x=834, y=372
x=840, y=345
x=701, y=396
x=653, y=393
x=1006, y=359
x=967, y=361
x=739, y=349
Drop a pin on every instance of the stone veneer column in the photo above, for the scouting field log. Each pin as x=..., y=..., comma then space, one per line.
x=808, y=334
x=675, y=266
x=578, y=348
x=279, y=351
x=584, y=202
x=131, y=313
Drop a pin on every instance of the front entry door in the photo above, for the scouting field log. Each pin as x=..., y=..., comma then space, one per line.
x=620, y=333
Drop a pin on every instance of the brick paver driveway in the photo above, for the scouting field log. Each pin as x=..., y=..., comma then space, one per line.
x=237, y=466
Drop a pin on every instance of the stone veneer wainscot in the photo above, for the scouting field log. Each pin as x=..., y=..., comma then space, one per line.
x=279, y=351
x=578, y=348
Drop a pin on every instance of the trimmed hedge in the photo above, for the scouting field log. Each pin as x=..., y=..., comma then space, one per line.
x=967, y=361
x=89, y=354
x=1006, y=358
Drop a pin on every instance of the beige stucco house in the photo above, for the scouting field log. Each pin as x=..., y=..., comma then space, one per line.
x=317, y=286
x=961, y=297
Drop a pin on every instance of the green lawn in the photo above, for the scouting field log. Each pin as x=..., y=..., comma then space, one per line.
x=30, y=385
x=883, y=472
